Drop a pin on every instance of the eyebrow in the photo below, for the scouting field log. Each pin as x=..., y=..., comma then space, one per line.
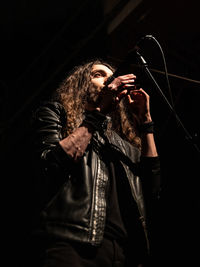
x=99, y=70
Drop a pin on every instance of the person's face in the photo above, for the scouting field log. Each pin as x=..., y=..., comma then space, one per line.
x=99, y=75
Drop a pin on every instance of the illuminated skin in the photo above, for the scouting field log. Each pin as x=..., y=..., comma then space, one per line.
x=119, y=88
x=76, y=143
x=116, y=90
x=100, y=74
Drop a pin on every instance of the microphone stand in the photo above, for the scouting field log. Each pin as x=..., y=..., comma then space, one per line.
x=187, y=134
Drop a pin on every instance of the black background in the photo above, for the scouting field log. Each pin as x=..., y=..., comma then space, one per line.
x=42, y=40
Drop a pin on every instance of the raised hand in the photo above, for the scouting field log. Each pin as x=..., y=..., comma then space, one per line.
x=111, y=95
x=139, y=103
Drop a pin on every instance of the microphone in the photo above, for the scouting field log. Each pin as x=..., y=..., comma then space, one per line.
x=123, y=66
x=110, y=79
x=142, y=60
x=140, y=40
x=135, y=50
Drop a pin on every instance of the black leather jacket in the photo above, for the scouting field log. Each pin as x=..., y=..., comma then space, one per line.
x=74, y=199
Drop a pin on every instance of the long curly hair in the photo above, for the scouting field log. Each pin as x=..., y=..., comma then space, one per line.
x=76, y=90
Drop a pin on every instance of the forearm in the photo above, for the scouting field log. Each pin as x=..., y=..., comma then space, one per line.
x=148, y=145
x=148, y=148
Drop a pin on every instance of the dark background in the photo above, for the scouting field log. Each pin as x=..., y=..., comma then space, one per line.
x=42, y=40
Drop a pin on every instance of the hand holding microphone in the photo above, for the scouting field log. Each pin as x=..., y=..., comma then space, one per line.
x=123, y=86
x=114, y=90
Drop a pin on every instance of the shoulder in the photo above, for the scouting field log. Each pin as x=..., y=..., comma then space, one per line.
x=53, y=106
x=51, y=109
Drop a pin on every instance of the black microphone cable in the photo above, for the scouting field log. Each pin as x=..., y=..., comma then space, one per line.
x=152, y=38
x=179, y=122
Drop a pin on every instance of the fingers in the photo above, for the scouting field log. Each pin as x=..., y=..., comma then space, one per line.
x=130, y=100
x=121, y=95
x=127, y=76
x=121, y=81
x=129, y=87
x=143, y=92
x=139, y=92
x=137, y=96
x=128, y=81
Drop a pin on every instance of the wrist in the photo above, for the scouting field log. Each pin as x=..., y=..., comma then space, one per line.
x=96, y=120
x=147, y=127
x=146, y=119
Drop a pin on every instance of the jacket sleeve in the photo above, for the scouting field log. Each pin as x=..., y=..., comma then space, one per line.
x=48, y=124
x=51, y=167
x=151, y=181
x=151, y=176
